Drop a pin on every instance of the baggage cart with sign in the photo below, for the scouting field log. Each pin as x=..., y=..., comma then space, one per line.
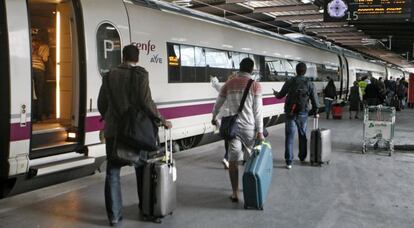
x=379, y=122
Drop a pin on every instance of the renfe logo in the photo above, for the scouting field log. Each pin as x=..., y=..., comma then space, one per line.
x=147, y=47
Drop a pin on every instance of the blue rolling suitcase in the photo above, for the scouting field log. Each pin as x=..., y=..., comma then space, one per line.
x=258, y=176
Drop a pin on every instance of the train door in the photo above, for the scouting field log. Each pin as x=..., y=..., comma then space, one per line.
x=56, y=78
x=345, y=86
x=106, y=28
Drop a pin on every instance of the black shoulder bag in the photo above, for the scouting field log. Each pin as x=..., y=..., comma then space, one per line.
x=136, y=130
x=228, y=128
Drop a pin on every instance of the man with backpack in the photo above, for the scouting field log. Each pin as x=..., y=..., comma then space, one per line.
x=125, y=86
x=299, y=91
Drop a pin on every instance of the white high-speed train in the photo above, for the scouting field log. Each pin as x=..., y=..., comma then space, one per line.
x=181, y=49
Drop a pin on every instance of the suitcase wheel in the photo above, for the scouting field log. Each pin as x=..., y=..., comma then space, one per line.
x=261, y=208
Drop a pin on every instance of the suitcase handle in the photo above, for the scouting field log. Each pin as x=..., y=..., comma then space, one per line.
x=168, y=146
x=315, y=122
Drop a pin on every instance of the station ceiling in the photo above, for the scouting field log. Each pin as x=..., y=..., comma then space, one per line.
x=392, y=42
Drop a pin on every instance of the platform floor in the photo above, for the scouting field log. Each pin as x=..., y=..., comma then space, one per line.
x=355, y=190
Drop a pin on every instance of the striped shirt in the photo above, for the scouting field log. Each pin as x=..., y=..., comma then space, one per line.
x=251, y=117
x=40, y=57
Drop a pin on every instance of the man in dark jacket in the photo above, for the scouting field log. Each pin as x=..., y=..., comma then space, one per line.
x=401, y=92
x=119, y=84
x=372, y=94
x=298, y=91
x=329, y=96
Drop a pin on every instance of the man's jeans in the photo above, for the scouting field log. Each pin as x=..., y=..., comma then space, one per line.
x=113, y=197
x=293, y=122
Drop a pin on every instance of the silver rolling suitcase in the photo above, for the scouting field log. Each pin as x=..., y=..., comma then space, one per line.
x=159, y=185
x=320, y=146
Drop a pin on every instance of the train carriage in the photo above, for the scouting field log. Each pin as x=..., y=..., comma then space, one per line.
x=181, y=49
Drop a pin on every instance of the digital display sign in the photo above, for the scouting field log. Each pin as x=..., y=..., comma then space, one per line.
x=368, y=10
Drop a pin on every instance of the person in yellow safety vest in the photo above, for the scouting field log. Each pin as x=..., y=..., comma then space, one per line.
x=362, y=85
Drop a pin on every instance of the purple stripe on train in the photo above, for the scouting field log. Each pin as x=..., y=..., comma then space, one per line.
x=18, y=133
x=273, y=100
x=94, y=123
x=186, y=111
x=201, y=109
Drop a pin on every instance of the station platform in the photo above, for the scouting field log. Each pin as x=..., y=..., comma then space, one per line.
x=354, y=190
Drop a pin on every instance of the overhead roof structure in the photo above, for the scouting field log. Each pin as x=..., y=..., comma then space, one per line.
x=391, y=42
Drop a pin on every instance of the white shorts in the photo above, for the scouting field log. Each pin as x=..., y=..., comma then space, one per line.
x=240, y=147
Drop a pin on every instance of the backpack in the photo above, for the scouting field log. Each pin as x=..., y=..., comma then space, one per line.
x=330, y=91
x=299, y=94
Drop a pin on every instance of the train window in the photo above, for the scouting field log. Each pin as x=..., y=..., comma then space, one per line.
x=377, y=74
x=361, y=74
x=218, y=59
x=290, y=67
x=109, y=47
x=200, y=57
x=173, y=52
x=311, y=71
x=187, y=55
x=327, y=71
x=256, y=60
x=282, y=69
x=237, y=57
x=275, y=71
x=197, y=64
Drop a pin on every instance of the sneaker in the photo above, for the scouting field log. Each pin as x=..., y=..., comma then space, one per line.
x=225, y=163
x=288, y=166
x=356, y=117
x=115, y=222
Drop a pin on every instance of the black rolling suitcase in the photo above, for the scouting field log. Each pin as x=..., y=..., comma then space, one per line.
x=159, y=185
x=320, y=146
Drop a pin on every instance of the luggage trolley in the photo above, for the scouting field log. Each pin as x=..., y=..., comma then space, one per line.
x=379, y=122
